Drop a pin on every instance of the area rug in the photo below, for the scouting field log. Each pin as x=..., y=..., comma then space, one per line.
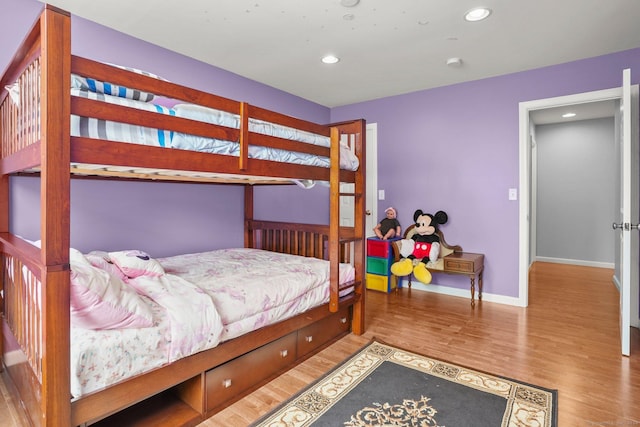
x=382, y=385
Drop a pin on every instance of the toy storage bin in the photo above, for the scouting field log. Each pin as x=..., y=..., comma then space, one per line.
x=379, y=260
x=379, y=283
x=379, y=248
x=378, y=265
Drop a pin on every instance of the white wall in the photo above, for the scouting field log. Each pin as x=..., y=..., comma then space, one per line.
x=576, y=192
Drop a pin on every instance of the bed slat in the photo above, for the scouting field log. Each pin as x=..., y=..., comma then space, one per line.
x=22, y=313
x=21, y=119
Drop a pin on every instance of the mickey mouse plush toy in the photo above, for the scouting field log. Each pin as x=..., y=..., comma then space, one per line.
x=426, y=246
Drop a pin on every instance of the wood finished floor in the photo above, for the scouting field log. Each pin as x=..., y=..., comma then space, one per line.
x=567, y=339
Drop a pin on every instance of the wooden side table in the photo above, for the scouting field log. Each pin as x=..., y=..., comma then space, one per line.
x=455, y=262
x=469, y=264
x=466, y=263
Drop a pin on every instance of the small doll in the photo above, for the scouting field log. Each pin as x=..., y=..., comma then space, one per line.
x=389, y=227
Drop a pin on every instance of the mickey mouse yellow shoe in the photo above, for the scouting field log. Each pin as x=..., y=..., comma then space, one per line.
x=402, y=267
x=422, y=274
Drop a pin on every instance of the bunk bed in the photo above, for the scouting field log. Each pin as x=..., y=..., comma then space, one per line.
x=45, y=121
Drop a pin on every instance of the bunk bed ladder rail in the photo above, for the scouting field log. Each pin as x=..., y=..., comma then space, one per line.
x=348, y=240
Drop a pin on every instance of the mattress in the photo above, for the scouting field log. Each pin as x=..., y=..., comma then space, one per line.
x=122, y=132
x=248, y=288
x=235, y=281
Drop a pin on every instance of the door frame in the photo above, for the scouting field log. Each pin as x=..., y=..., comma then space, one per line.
x=525, y=181
x=372, y=178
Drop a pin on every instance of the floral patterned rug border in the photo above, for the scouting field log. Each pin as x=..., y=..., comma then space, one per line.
x=523, y=404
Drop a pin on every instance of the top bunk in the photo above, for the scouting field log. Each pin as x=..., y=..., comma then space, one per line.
x=107, y=120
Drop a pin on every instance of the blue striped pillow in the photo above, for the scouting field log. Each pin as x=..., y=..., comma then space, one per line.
x=97, y=86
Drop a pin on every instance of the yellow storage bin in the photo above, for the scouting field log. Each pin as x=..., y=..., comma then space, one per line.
x=380, y=283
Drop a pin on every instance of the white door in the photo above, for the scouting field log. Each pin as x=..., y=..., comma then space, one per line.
x=347, y=203
x=372, y=179
x=628, y=222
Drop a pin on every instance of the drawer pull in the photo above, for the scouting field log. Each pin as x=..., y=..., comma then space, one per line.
x=308, y=338
x=283, y=353
x=343, y=320
x=226, y=383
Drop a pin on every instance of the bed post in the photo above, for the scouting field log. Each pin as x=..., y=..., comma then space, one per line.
x=243, y=157
x=248, y=216
x=55, y=214
x=334, y=218
x=4, y=228
x=358, y=325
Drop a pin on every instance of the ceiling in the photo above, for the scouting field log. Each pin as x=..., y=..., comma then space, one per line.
x=386, y=47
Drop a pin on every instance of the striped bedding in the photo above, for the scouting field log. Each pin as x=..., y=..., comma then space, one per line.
x=121, y=132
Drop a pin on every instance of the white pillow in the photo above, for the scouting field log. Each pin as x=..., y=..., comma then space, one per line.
x=14, y=92
x=134, y=263
x=100, y=300
x=101, y=260
x=207, y=115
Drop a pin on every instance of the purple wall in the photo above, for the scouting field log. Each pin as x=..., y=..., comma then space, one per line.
x=113, y=215
x=455, y=149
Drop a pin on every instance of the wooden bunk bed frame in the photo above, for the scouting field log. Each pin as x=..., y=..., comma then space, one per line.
x=34, y=297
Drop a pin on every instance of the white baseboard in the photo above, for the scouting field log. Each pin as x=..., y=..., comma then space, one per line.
x=577, y=262
x=616, y=282
x=462, y=293
x=634, y=322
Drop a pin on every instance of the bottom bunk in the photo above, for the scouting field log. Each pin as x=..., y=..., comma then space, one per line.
x=193, y=389
x=204, y=365
x=261, y=356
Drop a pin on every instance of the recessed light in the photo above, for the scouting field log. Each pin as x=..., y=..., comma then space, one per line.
x=568, y=115
x=477, y=14
x=454, y=62
x=349, y=3
x=330, y=59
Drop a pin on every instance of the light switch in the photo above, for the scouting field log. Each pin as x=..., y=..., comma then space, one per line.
x=380, y=194
x=513, y=194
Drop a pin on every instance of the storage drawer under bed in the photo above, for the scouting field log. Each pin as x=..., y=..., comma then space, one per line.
x=238, y=375
x=319, y=333
x=231, y=380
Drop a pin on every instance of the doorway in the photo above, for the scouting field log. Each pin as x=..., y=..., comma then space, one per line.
x=574, y=182
x=527, y=227
x=527, y=164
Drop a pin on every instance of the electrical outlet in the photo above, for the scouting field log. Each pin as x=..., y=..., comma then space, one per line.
x=513, y=194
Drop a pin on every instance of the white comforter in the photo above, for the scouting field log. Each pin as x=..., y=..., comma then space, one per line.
x=202, y=299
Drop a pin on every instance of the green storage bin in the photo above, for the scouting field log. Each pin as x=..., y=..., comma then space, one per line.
x=378, y=265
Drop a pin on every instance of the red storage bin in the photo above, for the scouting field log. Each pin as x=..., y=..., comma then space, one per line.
x=378, y=248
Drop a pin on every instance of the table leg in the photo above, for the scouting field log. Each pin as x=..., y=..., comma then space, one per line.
x=473, y=289
x=480, y=286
